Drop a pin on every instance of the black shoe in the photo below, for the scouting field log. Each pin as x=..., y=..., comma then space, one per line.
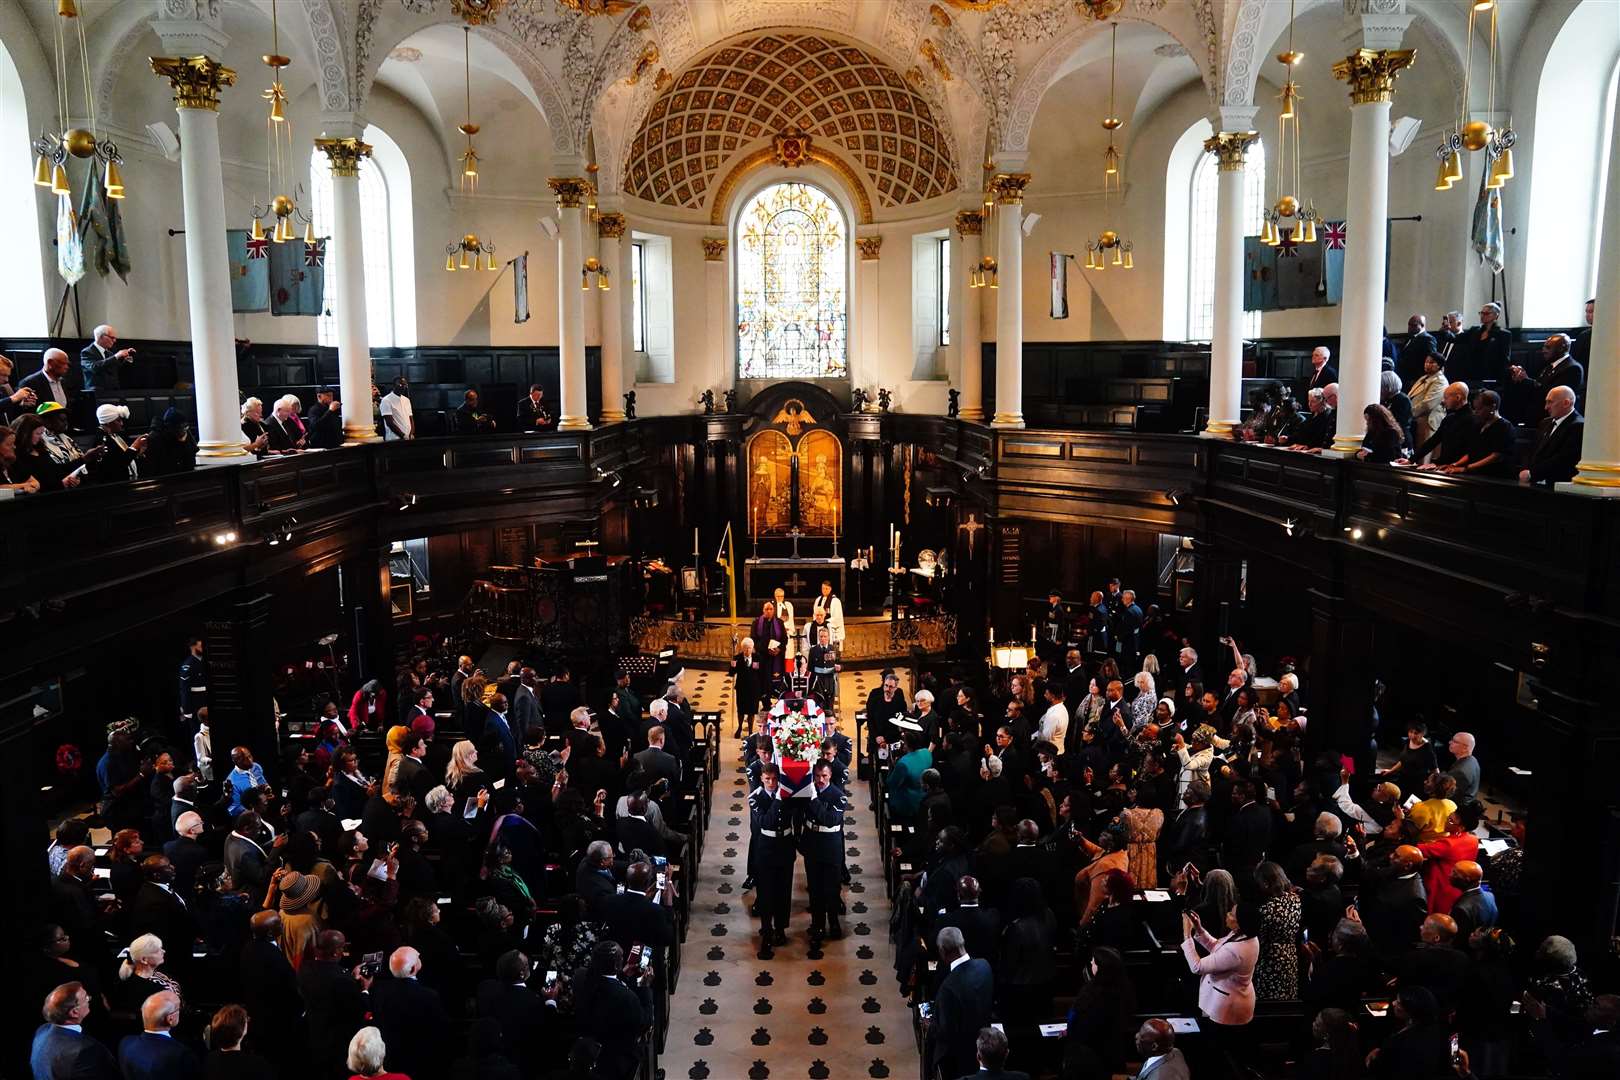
x=765, y=950
x=835, y=932
x=842, y=910
x=754, y=911
x=779, y=937
x=737, y=734
x=748, y=883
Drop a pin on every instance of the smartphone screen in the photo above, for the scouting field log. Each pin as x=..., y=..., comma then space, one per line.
x=1454, y=1045
x=551, y=979
x=646, y=958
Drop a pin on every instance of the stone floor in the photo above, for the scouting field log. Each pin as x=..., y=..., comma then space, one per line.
x=838, y=1016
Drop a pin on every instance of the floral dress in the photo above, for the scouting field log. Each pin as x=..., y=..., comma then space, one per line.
x=1276, y=975
x=1142, y=827
x=565, y=949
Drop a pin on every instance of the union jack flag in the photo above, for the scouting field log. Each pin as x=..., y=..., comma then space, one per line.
x=1333, y=235
x=315, y=254
x=1288, y=247
x=258, y=247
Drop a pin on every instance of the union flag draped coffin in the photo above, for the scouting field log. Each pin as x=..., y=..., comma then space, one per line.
x=797, y=726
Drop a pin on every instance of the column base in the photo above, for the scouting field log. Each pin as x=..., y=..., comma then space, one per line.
x=1599, y=478
x=973, y=413
x=1219, y=429
x=1346, y=444
x=1008, y=420
x=222, y=450
x=573, y=423
x=612, y=416
x=356, y=433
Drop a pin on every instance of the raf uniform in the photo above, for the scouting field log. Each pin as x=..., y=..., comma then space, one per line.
x=771, y=858
x=193, y=686
x=822, y=841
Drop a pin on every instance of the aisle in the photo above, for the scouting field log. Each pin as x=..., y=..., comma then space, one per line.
x=734, y=1016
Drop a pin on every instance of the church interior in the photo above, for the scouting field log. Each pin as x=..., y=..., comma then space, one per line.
x=1068, y=415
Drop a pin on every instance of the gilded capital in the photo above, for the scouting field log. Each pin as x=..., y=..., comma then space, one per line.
x=344, y=154
x=870, y=247
x=969, y=223
x=1229, y=148
x=1371, y=73
x=1008, y=188
x=196, y=80
x=714, y=248
x=570, y=191
x=610, y=226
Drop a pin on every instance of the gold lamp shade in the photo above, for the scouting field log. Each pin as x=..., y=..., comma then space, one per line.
x=42, y=171
x=115, y=181
x=1310, y=231
x=1501, y=169
x=59, y=181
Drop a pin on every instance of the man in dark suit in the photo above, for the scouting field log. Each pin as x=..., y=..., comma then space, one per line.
x=559, y=697
x=497, y=750
x=245, y=856
x=1156, y=1046
x=269, y=990
x=657, y=762
x=186, y=852
x=1315, y=431
x=634, y=916
x=61, y=1050
x=49, y=382
x=1558, y=441
x=593, y=880
x=636, y=831
x=469, y=419
x=961, y=1008
x=1524, y=393
x=678, y=721
x=614, y=1006
x=100, y=364
x=155, y=1054
x=1185, y=838
x=525, y=705
x=324, y=421
x=529, y=1021
x=1248, y=834
x=1419, y=346
x=980, y=926
x=1322, y=370
x=532, y=414
x=1581, y=347
x=333, y=1001
x=1029, y=859
x=1436, y=964
x=411, y=1017
x=990, y=1048
x=73, y=904
x=1393, y=903
x=158, y=908
x=1189, y=671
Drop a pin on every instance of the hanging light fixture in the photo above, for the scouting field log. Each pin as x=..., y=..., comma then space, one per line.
x=1290, y=202
x=464, y=253
x=983, y=274
x=1097, y=251
x=281, y=194
x=593, y=267
x=1471, y=134
x=53, y=148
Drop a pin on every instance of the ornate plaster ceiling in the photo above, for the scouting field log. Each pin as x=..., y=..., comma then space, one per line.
x=738, y=95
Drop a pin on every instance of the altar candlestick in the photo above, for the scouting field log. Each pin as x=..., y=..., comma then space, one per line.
x=992, y=635
x=1032, y=636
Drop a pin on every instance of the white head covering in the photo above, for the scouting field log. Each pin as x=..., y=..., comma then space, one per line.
x=106, y=414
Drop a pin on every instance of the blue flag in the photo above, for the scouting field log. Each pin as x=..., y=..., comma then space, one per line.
x=297, y=277
x=103, y=225
x=1487, y=233
x=1259, y=275
x=250, y=271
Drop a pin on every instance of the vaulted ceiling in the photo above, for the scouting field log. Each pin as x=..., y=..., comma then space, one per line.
x=734, y=98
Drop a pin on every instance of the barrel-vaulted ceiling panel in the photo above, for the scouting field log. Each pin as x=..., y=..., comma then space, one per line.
x=744, y=92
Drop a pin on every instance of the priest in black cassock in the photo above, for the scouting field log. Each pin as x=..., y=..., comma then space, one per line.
x=770, y=639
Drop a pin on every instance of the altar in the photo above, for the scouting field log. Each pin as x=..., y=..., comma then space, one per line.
x=799, y=579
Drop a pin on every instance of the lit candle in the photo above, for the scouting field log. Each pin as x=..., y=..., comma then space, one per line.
x=992, y=635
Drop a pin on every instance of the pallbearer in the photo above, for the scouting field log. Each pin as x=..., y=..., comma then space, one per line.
x=771, y=857
x=824, y=667
x=758, y=755
x=823, y=845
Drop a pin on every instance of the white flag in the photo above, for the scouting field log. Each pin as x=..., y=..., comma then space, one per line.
x=69, y=245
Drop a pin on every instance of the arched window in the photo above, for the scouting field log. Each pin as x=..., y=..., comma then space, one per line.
x=385, y=219
x=792, y=297
x=1189, y=233
x=22, y=301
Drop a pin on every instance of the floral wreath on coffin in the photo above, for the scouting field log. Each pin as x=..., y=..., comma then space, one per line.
x=797, y=727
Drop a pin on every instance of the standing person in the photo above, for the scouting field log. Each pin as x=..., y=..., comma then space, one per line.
x=784, y=611
x=532, y=414
x=101, y=365
x=833, y=608
x=1226, y=971
x=399, y=419
x=747, y=675
x=193, y=681
x=883, y=704
x=1482, y=353
x=824, y=667
x=324, y=422
x=770, y=820
x=770, y=636
x=823, y=845
x=1417, y=348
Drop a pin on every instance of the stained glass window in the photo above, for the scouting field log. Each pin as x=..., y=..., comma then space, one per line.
x=792, y=303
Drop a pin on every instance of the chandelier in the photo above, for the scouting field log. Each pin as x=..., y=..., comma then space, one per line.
x=53, y=148
x=279, y=160
x=1289, y=203
x=1109, y=240
x=469, y=246
x=1470, y=134
x=984, y=274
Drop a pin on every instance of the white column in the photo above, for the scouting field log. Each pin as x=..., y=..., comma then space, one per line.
x=1371, y=75
x=1599, y=470
x=717, y=310
x=348, y=261
x=610, y=234
x=570, y=193
x=869, y=302
x=196, y=81
x=1226, y=345
x=1009, y=195
x=968, y=333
